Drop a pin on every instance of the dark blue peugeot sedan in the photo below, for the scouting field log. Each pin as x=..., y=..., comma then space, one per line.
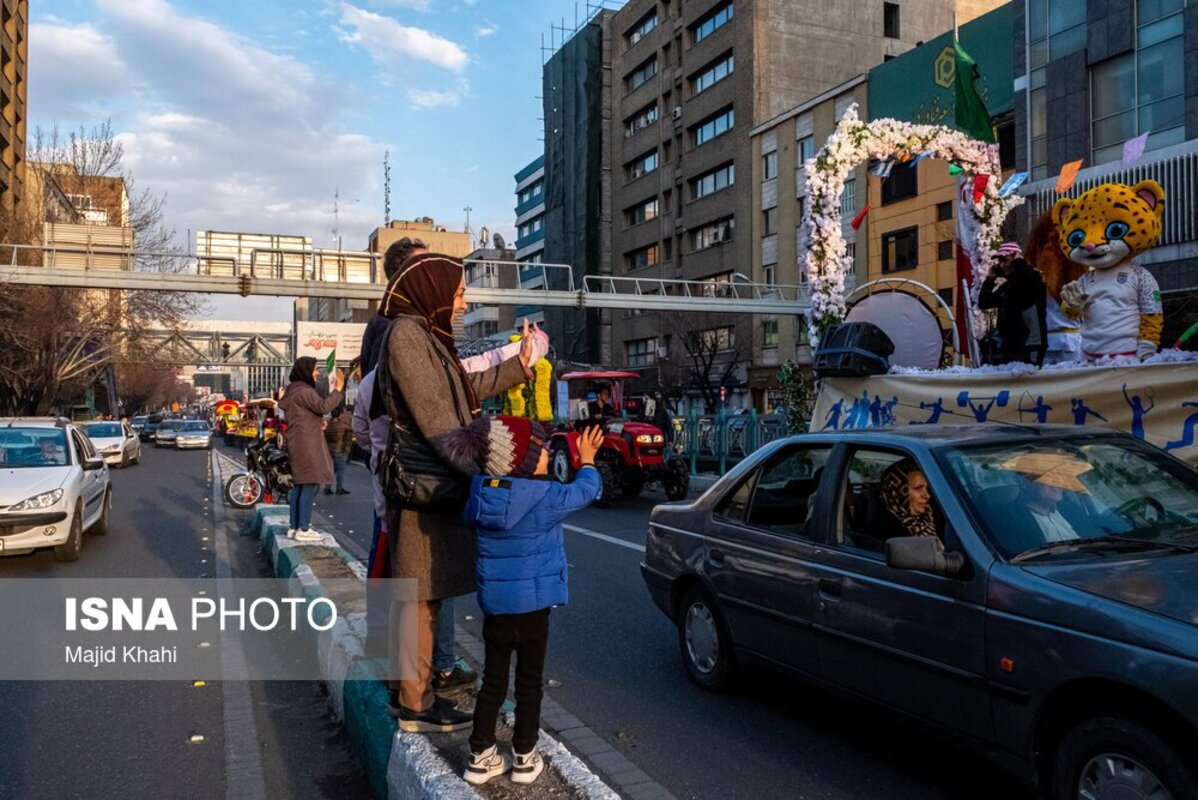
x=1030, y=591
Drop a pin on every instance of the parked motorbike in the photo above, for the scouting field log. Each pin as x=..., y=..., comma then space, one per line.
x=267, y=476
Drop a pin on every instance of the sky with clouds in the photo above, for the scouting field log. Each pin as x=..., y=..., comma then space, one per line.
x=250, y=114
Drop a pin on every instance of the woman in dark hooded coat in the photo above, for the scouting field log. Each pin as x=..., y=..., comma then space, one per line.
x=311, y=465
x=433, y=550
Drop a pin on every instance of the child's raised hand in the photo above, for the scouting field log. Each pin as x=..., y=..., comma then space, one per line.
x=589, y=443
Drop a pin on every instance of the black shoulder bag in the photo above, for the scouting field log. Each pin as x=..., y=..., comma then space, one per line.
x=412, y=474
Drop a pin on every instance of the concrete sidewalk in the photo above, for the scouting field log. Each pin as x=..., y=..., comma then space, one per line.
x=398, y=764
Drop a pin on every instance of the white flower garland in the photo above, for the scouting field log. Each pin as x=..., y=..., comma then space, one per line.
x=854, y=141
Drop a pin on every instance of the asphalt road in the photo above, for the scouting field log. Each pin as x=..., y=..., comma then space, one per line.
x=613, y=662
x=109, y=739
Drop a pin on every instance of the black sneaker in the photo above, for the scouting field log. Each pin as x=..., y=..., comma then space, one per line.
x=328, y=491
x=343, y=491
x=455, y=680
x=442, y=717
x=393, y=705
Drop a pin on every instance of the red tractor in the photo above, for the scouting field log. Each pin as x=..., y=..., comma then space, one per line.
x=634, y=452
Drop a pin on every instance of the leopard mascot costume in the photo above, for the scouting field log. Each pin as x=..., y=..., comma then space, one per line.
x=1118, y=302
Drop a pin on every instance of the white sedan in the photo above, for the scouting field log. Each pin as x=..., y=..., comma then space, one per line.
x=53, y=487
x=116, y=441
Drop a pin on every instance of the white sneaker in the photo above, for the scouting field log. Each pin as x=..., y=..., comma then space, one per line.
x=486, y=765
x=291, y=533
x=527, y=767
x=308, y=535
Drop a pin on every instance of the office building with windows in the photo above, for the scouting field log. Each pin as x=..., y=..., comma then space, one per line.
x=530, y=232
x=912, y=217
x=14, y=48
x=689, y=82
x=1089, y=77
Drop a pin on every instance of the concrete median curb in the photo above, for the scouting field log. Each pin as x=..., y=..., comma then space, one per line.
x=397, y=764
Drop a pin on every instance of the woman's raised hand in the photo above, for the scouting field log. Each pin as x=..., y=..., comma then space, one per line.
x=339, y=379
x=528, y=355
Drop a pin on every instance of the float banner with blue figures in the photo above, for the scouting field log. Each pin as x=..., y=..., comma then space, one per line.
x=1154, y=402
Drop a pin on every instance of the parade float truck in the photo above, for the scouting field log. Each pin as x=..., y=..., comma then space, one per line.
x=891, y=353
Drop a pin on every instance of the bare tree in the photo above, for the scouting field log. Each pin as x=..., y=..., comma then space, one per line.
x=59, y=341
x=711, y=353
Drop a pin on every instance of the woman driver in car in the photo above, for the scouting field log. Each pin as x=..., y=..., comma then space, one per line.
x=907, y=498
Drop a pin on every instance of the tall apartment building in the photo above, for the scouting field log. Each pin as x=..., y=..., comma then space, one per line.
x=14, y=45
x=690, y=80
x=1090, y=76
x=577, y=92
x=530, y=232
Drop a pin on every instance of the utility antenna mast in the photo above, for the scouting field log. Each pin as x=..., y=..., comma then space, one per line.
x=386, y=188
x=468, y=209
x=337, y=216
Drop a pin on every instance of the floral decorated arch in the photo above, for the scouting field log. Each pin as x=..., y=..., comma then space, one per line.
x=854, y=141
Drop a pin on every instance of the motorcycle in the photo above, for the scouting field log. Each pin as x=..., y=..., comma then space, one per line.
x=267, y=476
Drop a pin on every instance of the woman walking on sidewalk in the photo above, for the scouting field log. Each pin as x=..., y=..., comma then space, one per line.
x=304, y=439
x=427, y=390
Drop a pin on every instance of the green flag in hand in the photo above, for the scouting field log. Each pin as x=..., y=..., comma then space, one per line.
x=972, y=116
x=330, y=363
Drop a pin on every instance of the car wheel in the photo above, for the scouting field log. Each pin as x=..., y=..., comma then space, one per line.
x=610, y=485
x=100, y=528
x=1106, y=757
x=704, y=640
x=137, y=458
x=124, y=460
x=70, y=549
x=563, y=470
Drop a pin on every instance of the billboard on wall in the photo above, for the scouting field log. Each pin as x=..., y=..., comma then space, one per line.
x=318, y=339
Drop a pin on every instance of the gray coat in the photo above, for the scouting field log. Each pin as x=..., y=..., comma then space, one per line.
x=304, y=409
x=435, y=549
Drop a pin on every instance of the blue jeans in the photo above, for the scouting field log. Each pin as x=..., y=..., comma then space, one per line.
x=339, y=460
x=301, y=498
x=443, y=657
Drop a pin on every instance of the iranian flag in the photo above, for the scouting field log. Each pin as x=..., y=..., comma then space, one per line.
x=967, y=226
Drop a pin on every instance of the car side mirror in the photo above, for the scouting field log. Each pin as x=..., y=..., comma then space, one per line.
x=90, y=464
x=922, y=553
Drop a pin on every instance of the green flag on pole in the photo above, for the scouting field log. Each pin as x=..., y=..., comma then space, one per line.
x=331, y=362
x=971, y=113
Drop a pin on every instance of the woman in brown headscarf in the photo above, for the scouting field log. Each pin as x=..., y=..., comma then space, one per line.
x=436, y=550
x=906, y=497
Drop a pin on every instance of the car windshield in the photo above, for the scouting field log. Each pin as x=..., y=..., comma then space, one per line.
x=194, y=427
x=138, y=420
x=168, y=425
x=1047, y=498
x=33, y=447
x=104, y=430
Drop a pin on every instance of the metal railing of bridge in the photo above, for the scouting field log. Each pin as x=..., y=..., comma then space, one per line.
x=353, y=275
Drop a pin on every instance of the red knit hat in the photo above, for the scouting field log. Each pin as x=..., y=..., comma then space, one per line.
x=496, y=446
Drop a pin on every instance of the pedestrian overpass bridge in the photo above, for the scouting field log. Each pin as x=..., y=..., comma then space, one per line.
x=353, y=275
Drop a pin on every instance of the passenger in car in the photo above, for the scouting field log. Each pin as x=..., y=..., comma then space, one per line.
x=908, y=500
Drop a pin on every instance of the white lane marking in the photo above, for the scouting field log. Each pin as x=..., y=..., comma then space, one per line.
x=603, y=537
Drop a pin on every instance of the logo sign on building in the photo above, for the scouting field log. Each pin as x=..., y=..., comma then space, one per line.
x=318, y=339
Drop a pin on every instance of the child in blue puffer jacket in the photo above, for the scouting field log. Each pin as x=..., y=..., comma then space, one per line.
x=517, y=515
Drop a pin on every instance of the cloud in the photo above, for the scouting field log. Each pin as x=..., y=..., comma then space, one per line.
x=72, y=71
x=415, y=5
x=391, y=44
x=237, y=137
x=433, y=98
x=483, y=32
